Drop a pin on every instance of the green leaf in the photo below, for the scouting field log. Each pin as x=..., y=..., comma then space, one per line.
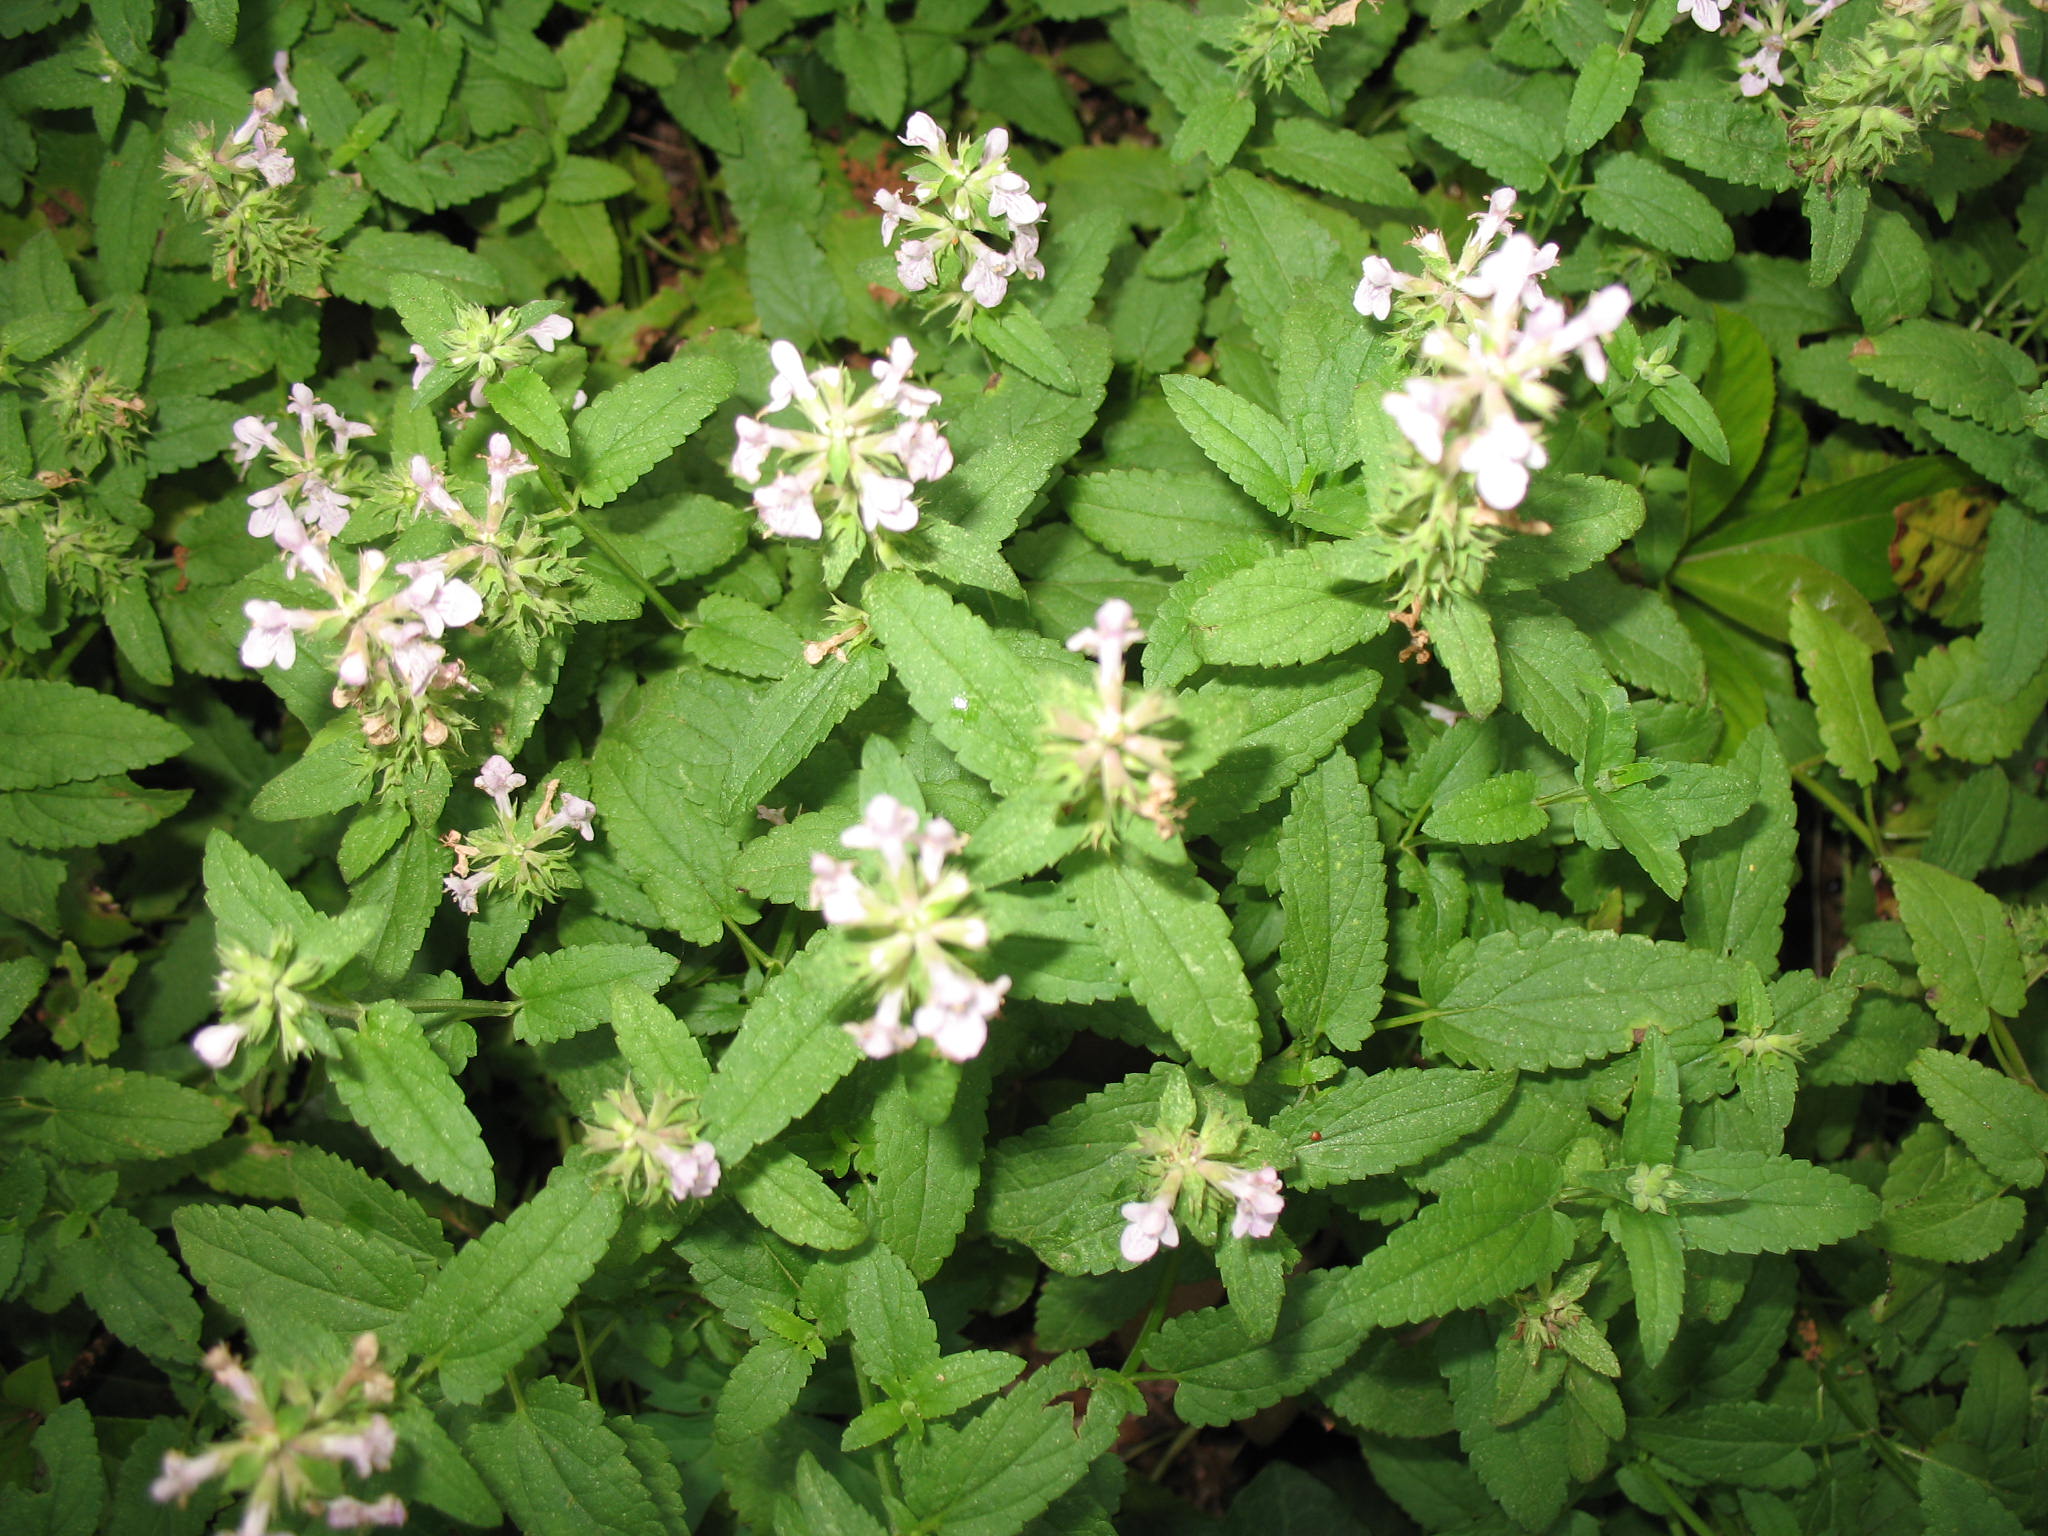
x=396, y=1086
x=1242, y=439
x=1835, y=213
x=1509, y=143
x=137, y=631
x=788, y=1051
x=829, y=1508
x=631, y=427
x=1173, y=518
x=2014, y=640
x=505, y=1291
x=1020, y=339
x=1170, y=940
x=1543, y=660
x=659, y=1049
x=1604, y=91
x=1964, y=372
x=893, y=1336
x=1766, y=1202
x=1336, y=161
x=1361, y=1126
x=1560, y=997
x=295, y=1279
x=73, y=1477
x=1656, y=1269
x=1285, y=728
x=566, y=992
x=1940, y=1204
x=679, y=856
x=869, y=54
x=926, y=1175
x=1477, y=1243
x=58, y=734
x=785, y=1194
x=1333, y=886
x=136, y=1287
x=792, y=282
x=1733, y=141
x=1679, y=401
x=1740, y=388
x=1961, y=714
x=1954, y=1503
x=529, y=407
x=559, y=1469
x=1296, y=606
x=762, y=1390
x=943, y=653
x=1754, y=1445
x=1891, y=277
x=1963, y=944
x=589, y=62
x=1501, y=809
x=1589, y=517
x=1225, y=1375
x=1005, y=1465
x=2004, y=1123
x=580, y=179
x=1641, y=199
x=85, y=813
x=372, y=261
x=1837, y=668
x=93, y=1114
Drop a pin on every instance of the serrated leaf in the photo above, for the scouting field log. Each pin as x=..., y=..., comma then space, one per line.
x=762, y=1390
x=943, y=653
x=505, y=1291
x=2004, y=1123
x=1771, y=1203
x=1646, y=202
x=294, y=1278
x=1961, y=713
x=529, y=407
x=1940, y=1204
x=1361, y=1126
x=926, y=1175
x=1755, y=1445
x=88, y=1113
x=1163, y=517
x=86, y=812
x=658, y=1047
x=397, y=1087
x=1333, y=884
x=1603, y=92
x=1243, y=440
x=785, y=1194
x=1337, y=161
x=1964, y=372
x=788, y=1051
x=893, y=1335
x=559, y=1468
x=793, y=716
x=1656, y=1269
x=1561, y=997
x=58, y=734
x=1286, y=727
x=1170, y=940
x=1837, y=668
x=661, y=837
x=1477, y=1243
x=1005, y=1465
x=1968, y=958
x=566, y=992
x=633, y=426
x=136, y=1287
x=1734, y=141
x=1020, y=339
x=1508, y=142
x=1225, y=1375
x=1501, y=809
x=1296, y=606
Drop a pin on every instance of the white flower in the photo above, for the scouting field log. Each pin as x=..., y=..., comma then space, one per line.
x=1499, y=460
x=1147, y=1224
x=791, y=381
x=423, y=363
x=1706, y=12
x=347, y=1514
x=1258, y=1202
x=895, y=209
x=302, y=553
x=935, y=844
x=692, y=1172
x=885, y=1033
x=925, y=453
x=442, y=602
x=988, y=279
x=885, y=827
x=305, y=405
x=575, y=814
x=1112, y=633
x=1010, y=198
x=216, y=1046
x=1024, y=260
x=1500, y=207
x=269, y=509
x=1375, y=293
x=785, y=506
x=183, y=1475
x=892, y=381
x=752, y=454
x=994, y=145
x=922, y=132
x=272, y=639
x=955, y=1016
x=498, y=779
x=1418, y=410
x=1760, y=71
x=368, y=1450
x=464, y=888
x=885, y=503
x=917, y=264
x=326, y=507
x=286, y=93
x=432, y=487
x=416, y=661
x=545, y=333
x=502, y=464
x=252, y=436
x=836, y=891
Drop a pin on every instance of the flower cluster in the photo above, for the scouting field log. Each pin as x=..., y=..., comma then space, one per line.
x=960, y=196
x=481, y=346
x=1488, y=335
x=261, y=995
x=294, y=1445
x=1764, y=69
x=914, y=922
x=240, y=186
x=1276, y=44
x=656, y=1148
x=93, y=413
x=1192, y=1175
x=1105, y=750
x=849, y=472
x=516, y=854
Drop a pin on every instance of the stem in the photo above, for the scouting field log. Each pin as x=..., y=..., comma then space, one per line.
x=1679, y=1507
x=1635, y=20
x=1181, y=1442
x=1167, y=1276
x=459, y=1007
x=583, y=1358
x=885, y=1465
x=767, y=962
x=551, y=478
x=2011, y=1060
x=1833, y=802
x=1886, y=1451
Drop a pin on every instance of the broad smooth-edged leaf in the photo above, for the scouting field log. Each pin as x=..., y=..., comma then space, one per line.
x=2004, y=1123
x=1477, y=1243
x=633, y=426
x=1225, y=1374
x=397, y=1087
x=1170, y=940
x=1963, y=944
x=785, y=1194
x=788, y=1051
x=1560, y=997
x=1243, y=440
x=558, y=1467
x=567, y=991
x=1361, y=1125
x=1740, y=387
x=1333, y=886
x=981, y=698
x=505, y=1291
x=1771, y=1203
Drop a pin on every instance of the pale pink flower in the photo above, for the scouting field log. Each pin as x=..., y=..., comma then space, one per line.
x=1375, y=292
x=885, y=827
x=545, y=333
x=987, y=279
x=895, y=209
x=1258, y=1202
x=1147, y=1224
x=368, y=1450
x=273, y=633
x=1024, y=260
x=442, y=602
x=1010, y=198
x=431, y=486
x=1500, y=207
x=423, y=363
x=497, y=778
x=955, y=1015
x=574, y=814
x=1499, y=460
x=1760, y=71
x=885, y=503
x=464, y=888
x=184, y=1475
x=751, y=455
x=791, y=381
x=1706, y=12
x=892, y=381
x=922, y=132
x=216, y=1046
x=925, y=453
x=1112, y=633
x=693, y=1172
x=785, y=506
x=917, y=265
x=502, y=464
x=935, y=844
x=347, y=1514
x=1418, y=410
x=836, y=891
x=252, y=436
x=994, y=145
x=883, y=1033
